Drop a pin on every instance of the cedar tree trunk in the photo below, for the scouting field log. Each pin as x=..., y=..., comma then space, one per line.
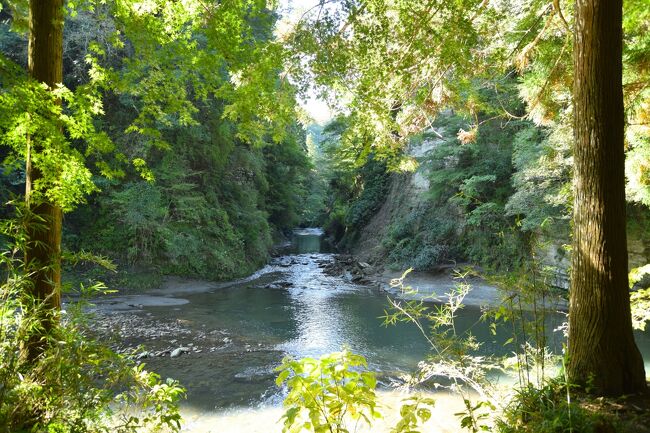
x=43, y=254
x=602, y=352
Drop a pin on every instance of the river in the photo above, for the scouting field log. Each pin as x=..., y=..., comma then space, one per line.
x=233, y=336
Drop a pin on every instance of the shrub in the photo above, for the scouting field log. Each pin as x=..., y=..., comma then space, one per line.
x=336, y=391
x=328, y=393
x=56, y=377
x=549, y=410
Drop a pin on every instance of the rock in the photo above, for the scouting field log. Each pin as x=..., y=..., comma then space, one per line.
x=368, y=271
x=143, y=355
x=178, y=352
x=364, y=265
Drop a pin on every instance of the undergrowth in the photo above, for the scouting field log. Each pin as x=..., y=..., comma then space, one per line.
x=55, y=377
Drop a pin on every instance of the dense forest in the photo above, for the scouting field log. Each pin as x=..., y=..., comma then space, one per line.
x=188, y=197
x=153, y=147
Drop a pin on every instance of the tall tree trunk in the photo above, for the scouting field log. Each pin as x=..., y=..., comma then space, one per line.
x=602, y=351
x=43, y=254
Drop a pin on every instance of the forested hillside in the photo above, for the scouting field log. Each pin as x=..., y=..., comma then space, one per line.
x=494, y=201
x=184, y=198
x=487, y=180
x=462, y=245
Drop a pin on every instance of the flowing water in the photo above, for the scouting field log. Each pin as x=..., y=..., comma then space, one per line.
x=240, y=331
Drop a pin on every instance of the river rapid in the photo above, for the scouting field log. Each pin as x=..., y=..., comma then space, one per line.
x=223, y=341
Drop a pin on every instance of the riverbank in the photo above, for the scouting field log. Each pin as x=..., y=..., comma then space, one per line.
x=163, y=336
x=432, y=286
x=223, y=341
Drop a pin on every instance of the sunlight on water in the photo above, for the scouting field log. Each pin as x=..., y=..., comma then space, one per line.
x=294, y=307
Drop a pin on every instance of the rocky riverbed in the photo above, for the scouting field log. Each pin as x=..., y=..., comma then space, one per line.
x=223, y=341
x=130, y=326
x=133, y=328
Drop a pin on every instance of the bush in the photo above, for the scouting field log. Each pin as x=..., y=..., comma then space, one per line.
x=422, y=239
x=375, y=187
x=56, y=377
x=548, y=410
x=328, y=393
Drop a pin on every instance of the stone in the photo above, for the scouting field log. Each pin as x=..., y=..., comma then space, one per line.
x=178, y=352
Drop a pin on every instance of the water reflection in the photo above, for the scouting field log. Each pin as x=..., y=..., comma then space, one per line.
x=292, y=307
x=309, y=240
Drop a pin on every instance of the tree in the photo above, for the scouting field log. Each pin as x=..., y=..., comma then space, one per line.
x=43, y=228
x=435, y=55
x=168, y=53
x=601, y=343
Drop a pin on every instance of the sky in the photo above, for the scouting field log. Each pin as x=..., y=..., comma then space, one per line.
x=315, y=107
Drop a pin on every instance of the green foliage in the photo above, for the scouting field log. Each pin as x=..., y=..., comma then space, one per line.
x=465, y=217
x=414, y=412
x=287, y=170
x=352, y=182
x=328, y=394
x=543, y=178
x=375, y=185
x=506, y=69
x=638, y=171
x=423, y=239
x=455, y=362
x=475, y=178
x=398, y=63
x=335, y=392
x=76, y=384
x=210, y=212
x=640, y=299
x=184, y=103
x=547, y=410
x=38, y=125
x=637, y=99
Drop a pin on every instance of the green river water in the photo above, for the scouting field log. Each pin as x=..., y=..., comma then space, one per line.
x=291, y=307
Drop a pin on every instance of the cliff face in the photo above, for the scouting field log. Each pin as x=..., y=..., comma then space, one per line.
x=402, y=198
x=638, y=247
x=409, y=195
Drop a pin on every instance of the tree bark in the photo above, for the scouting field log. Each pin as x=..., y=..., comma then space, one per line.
x=43, y=253
x=602, y=353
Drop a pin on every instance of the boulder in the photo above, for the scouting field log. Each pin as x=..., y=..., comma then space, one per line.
x=179, y=351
